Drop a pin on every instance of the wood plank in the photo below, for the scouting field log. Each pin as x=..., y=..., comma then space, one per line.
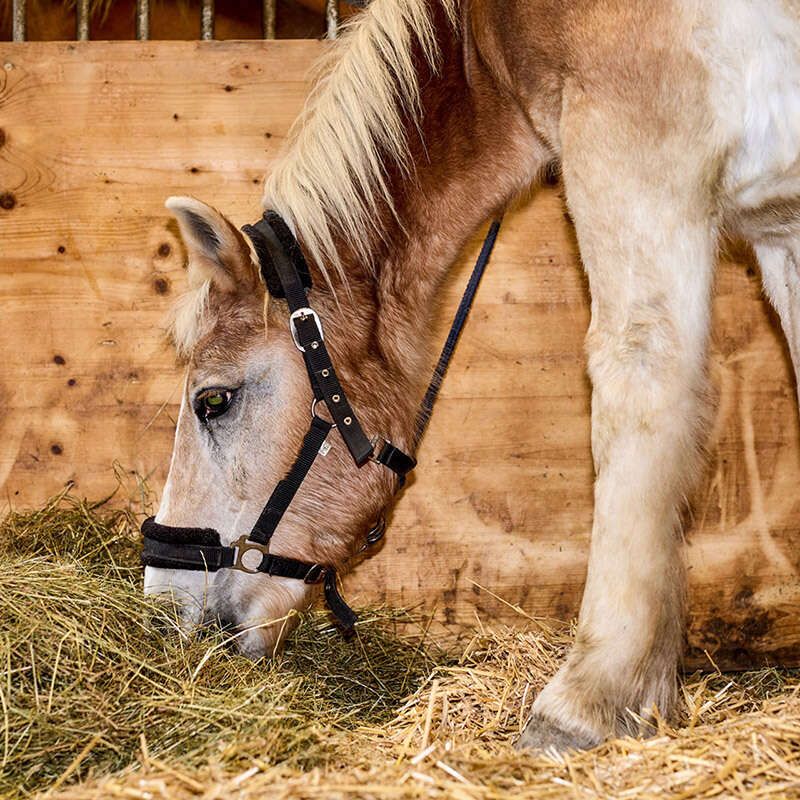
x=98, y=134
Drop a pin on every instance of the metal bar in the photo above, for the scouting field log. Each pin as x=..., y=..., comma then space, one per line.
x=19, y=21
x=332, y=18
x=143, y=20
x=268, y=19
x=207, y=20
x=82, y=20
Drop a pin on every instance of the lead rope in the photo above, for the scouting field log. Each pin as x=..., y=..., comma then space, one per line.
x=460, y=319
x=336, y=603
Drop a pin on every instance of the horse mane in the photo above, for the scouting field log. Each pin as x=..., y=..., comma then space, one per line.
x=331, y=181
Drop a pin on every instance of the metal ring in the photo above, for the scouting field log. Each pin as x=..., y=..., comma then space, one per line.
x=314, y=412
x=375, y=533
x=243, y=545
x=315, y=574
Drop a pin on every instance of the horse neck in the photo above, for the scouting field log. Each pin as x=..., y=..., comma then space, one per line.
x=473, y=151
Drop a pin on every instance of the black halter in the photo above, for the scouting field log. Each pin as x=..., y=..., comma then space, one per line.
x=286, y=275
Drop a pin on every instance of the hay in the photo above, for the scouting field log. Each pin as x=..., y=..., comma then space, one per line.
x=95, y=696
x=86, y=682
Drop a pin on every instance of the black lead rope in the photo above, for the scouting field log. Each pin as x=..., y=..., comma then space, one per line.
x=286, y=275
x=459, y=320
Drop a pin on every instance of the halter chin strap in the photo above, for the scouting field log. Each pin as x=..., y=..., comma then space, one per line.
x=286, y=275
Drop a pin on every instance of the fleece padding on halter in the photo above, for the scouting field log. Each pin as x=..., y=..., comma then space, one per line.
x=212, y=558
x=288, y=245
x=176, y=535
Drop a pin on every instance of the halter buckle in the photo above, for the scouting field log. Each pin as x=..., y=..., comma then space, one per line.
x=302, y=313
x=243, y=546
x=375, y=533
x=375, y=441
x=315, y=573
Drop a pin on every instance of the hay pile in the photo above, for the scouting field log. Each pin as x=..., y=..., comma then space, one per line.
x=96, y=705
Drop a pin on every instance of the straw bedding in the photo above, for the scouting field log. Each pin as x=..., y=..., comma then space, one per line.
x=100, y=697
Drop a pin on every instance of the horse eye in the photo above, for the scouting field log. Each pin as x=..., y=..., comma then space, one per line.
x=212, y=403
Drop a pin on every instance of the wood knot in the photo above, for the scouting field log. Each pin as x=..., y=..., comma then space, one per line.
x=161, y=285
x=60, y=360
x=164, y=250
x=56, y=449
x=7, y=200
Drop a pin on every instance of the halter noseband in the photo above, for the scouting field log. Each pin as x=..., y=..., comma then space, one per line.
x=286, y=275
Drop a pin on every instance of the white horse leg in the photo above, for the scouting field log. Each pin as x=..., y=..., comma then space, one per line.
x=642, y=217
x=780, y=273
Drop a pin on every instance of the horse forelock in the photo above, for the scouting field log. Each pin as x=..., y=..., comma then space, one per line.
x=204, y=314
x=187, y=321
x=331, y=182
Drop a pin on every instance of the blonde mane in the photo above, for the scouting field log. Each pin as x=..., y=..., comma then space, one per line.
x=331, y=179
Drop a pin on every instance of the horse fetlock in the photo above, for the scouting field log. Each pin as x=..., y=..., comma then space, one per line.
x=585, y=704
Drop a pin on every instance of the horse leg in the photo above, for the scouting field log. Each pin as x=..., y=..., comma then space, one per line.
x=642, y=211
x=780, y=274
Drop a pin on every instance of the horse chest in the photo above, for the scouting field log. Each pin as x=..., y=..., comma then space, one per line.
x=752, y=51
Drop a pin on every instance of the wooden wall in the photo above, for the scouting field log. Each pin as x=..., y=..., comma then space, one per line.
x=95, y=136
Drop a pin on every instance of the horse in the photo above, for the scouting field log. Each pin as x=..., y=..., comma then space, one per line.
x=672, y=122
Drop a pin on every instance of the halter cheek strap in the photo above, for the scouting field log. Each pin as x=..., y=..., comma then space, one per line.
x=286, y=276
x=306, y=329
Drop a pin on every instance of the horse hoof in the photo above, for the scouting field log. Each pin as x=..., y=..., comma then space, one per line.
x=542, y=734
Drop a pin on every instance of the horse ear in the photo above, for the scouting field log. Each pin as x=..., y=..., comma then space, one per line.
x=217, y=251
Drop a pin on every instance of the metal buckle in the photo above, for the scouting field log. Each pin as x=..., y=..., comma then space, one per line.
x=375, y=441
x=302, y=313
x=315, y=573
x=243, y=546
